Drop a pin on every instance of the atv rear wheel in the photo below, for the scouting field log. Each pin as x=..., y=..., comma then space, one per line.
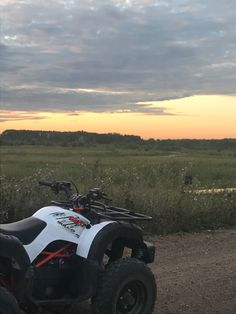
x=127, y=287
x=8, y=303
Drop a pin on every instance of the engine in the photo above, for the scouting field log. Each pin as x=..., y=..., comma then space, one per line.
x=52, y=280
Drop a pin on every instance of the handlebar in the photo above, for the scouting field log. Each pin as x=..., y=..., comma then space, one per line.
x=91, y=202
x=57, y=186
x=45, y=183
x=96, y=194
x=76, y=199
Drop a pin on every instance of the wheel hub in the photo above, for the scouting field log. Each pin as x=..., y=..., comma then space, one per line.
x=130, y=299
x=127, y=299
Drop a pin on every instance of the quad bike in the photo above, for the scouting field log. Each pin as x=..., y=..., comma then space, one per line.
x=76, y=250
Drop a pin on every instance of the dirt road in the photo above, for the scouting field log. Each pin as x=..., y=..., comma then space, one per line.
x=196, y=273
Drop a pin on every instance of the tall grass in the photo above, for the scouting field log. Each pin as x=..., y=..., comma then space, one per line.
x=150, y=182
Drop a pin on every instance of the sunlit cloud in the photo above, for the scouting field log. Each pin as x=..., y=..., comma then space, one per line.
x=91, y=91
x=20, y=115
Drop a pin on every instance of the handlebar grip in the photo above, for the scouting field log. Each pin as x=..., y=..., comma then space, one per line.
x=45, y=183
x=107, y=199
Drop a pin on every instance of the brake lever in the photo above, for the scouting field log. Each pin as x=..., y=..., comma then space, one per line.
x=106, y=198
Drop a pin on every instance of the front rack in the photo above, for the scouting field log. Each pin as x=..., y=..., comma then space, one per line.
x=118, y=213
x=102, y=211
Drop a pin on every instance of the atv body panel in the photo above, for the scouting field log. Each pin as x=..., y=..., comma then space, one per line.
x=65, y=225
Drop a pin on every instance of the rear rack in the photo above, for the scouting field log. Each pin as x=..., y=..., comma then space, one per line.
x=118, y=213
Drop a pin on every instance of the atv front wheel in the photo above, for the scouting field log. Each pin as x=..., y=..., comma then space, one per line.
x=8, y=303
x=127, y=286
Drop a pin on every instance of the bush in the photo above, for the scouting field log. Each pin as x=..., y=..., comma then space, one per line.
x=155, y=190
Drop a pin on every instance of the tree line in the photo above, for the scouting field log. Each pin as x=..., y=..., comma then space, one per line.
x=82, y=138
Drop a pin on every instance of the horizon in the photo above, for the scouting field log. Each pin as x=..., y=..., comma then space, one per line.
x=124, y=134
x=153, y=68
x=185, y=118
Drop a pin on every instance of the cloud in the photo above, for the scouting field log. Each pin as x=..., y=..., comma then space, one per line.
x=20, y=115
x=109, y=55
x=73, y=114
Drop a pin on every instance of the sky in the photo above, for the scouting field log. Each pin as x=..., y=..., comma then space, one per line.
x=154, y=68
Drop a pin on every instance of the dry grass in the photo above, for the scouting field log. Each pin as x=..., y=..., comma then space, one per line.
x=149, y=182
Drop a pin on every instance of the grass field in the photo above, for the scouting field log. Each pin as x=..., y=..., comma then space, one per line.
x=146, y=181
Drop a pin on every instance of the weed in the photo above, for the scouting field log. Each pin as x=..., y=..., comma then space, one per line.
x=152, y=183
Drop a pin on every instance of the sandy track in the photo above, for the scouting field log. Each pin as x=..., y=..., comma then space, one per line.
x=196, y=273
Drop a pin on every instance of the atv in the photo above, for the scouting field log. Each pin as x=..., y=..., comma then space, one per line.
x=76, y=249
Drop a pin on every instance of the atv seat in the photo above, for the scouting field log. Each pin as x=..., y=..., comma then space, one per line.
x=25, y=230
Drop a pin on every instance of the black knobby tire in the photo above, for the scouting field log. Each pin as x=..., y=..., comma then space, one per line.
x=8, y=303
x=126, y=287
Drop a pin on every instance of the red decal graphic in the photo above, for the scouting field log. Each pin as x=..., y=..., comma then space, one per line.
x=76, y=221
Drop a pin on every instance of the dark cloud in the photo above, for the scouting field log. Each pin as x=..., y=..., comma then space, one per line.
x=146, y=50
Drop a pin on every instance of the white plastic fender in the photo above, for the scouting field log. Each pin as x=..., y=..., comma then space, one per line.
x=87, y=237
x=59, y=227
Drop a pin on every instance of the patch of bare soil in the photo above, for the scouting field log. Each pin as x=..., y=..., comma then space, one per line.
x=195, y=273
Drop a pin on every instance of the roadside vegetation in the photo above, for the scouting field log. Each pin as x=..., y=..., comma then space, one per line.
x=151, y=182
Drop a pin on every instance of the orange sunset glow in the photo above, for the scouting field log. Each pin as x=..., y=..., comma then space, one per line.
x=211, y=116
x=157, y=69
